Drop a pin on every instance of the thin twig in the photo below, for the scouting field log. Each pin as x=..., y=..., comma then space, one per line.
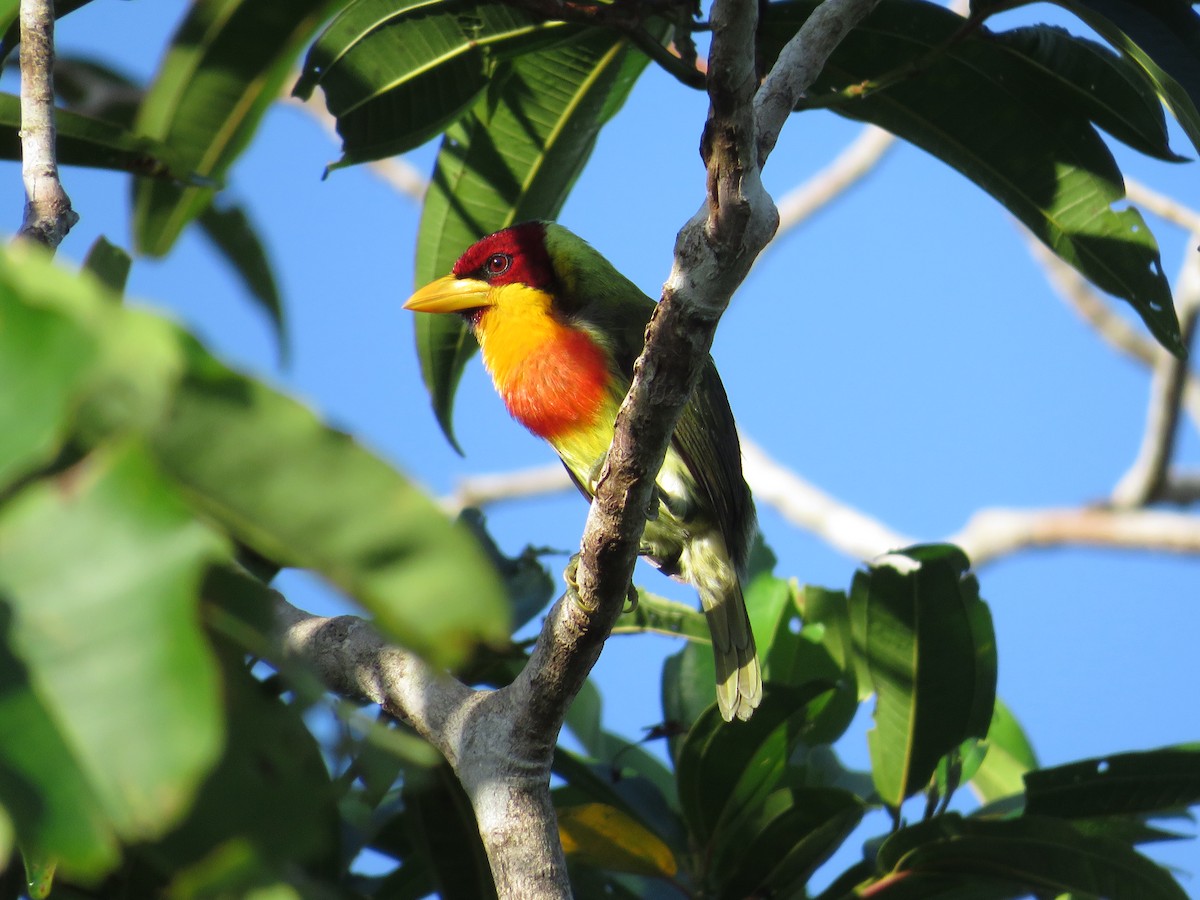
x=1147, y=477
x=48, y=214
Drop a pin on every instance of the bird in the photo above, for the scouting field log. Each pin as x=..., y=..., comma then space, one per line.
x=559, y=330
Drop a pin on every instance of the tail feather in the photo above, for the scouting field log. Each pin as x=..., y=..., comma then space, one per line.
x=739, y=679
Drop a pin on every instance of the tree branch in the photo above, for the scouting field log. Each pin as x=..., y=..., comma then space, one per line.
x=994, y=533
x=48, y=214
x=1147, y=477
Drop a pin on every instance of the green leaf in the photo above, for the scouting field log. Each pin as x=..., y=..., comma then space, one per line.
x=726, y=771
x=113, y=713
x=815, y=652
x=1110, y=89
x=1123, y=784
x=109, y=263
x=442, y=828
x=791, y=834
x=1033, y=853
x=662, y=616
x=606, y=837
x=396, y=74
x=1009, y=757
x=1011, y=125
x=268, y=806
x=514, y=156
x=97, y=144
x=1163, y=38
x=234, y=236
x=529, y=586
x=928, y=644
x=250, y=458
x=42, y=367
x=225, y=66
x=261, y=466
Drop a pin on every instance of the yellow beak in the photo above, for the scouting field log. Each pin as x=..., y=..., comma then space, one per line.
x=450, y=294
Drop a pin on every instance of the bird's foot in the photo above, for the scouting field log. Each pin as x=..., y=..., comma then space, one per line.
x=569, y=576
x=631, y=600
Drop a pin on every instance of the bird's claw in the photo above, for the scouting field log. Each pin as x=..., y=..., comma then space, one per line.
x=631, y=600
x=569, y=576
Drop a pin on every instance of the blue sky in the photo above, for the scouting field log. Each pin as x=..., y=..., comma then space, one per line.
x=901, y=351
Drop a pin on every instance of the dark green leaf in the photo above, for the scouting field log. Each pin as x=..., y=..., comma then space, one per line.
x=726, y=770
x=1123, y=784
x=1039, y=854
x=225, y=66
x=442, y=827
x=791, y=834
x=95, y=89
x=529, y=586
x=1160, y=36
x=99, y=576
x=267, y=807
x=109, y=263
x=235, y=238
x=514, y=156
x=1111, y=90
x=1010, y=125
x=395, y=75
x=928, y=643
x=84, y=141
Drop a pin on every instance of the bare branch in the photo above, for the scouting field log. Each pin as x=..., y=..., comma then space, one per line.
x=484, y=489
x=994, y=533
x=485, y=736
x=712, y=255
x=1146, y=478
x=48, y=213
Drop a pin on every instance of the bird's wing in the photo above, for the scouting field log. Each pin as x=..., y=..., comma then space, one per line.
x=706, y=439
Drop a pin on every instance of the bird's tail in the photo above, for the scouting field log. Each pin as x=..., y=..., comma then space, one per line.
x=739, y=679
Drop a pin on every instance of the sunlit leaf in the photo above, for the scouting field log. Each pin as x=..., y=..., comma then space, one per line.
x=84, y=141
x=395, y=75
x=248, y=457
x=224, y=67
x=113, y=713
x=1009, y=757
x=928, y=643
x=514, y=156
x=607, y=838
x=1009, y=123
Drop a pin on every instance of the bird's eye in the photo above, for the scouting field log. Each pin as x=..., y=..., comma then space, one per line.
x=497, y=264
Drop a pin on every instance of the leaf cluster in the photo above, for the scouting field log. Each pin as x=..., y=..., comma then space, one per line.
x=152, y=739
